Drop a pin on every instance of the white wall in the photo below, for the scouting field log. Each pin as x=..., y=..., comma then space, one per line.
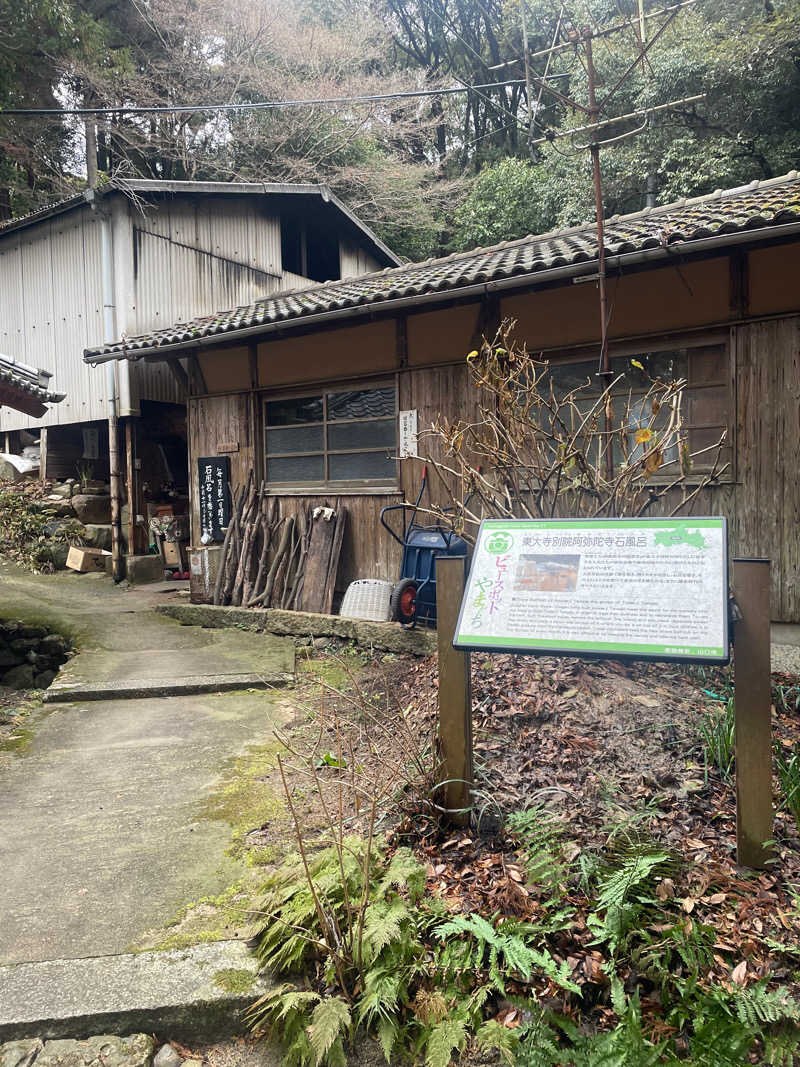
x=51, y=309
x=174, y=260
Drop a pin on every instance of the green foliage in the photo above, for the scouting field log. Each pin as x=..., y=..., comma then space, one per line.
x=504, y=202
x=387, y=961
x=500, y=948
x=446, y=1037
x=330, y=1017
x=23, y=533
x=718, y=731
x=624, y=888
x=788, y=767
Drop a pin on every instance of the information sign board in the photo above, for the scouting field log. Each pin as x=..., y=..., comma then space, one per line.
x=214, y=475
x=623, y=588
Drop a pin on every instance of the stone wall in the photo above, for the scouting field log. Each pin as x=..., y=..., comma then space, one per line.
x=30, y=655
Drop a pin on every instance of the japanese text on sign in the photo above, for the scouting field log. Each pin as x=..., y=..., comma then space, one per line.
x=214, y=497
x=643, y=588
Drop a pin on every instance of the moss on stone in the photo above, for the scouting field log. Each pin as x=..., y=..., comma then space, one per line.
x=235, y=979
x=245, y=798
x=19, y=736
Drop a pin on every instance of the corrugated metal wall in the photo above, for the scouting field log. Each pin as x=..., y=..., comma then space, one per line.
x=195, y=257
x=51, y=309
x=174, y=260
x=356, y=260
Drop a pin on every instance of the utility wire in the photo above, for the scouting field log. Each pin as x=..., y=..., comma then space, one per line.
x=265, y=105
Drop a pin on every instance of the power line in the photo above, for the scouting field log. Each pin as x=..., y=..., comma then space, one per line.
x=265, y=105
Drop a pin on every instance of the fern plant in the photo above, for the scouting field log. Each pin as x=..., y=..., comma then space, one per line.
x=500, y=950
x=349, y=912
x=624, y=888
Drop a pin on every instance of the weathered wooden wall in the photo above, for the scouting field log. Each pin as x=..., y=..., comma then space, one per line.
x=425, y=352
x=765, y=516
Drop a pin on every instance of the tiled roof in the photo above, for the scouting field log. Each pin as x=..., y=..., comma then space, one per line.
x=27, y=385
x=754, y=206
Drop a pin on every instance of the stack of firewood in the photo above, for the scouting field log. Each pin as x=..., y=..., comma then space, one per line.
x=263, y=556
x=267, y=558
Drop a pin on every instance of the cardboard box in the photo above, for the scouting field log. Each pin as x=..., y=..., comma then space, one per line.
x=174, y=554
x=87, y=559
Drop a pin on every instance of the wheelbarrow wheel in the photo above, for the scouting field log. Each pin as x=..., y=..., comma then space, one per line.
x=403, y=602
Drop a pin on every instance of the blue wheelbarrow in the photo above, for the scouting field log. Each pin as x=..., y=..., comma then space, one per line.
x=413, y=597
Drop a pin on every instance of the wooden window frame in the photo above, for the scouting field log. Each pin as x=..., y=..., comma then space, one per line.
x=632, y=349
x=342, y=487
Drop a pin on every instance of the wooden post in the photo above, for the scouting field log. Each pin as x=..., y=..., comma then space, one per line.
x=131, y=482
x=42, y=454
x=753, y=695
x=455, y=700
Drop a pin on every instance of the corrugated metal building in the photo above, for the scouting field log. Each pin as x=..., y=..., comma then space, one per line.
x=177, y=249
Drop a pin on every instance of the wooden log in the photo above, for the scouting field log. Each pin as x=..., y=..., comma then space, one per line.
x=258, y=584
x=247, y=540
x=225, y=550
x=252, y=555
x=323, y=533
x=276, y=562
x=291, y=566
x=300, y=570
x=333, y=562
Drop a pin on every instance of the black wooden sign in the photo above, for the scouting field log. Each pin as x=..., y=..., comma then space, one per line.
x=215, y=497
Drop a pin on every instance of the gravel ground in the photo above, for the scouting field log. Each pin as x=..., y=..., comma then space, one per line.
x=786, y=658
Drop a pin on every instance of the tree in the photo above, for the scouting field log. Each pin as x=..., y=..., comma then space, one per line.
x=32, y=156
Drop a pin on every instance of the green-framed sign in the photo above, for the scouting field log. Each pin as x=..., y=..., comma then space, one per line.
x=654, y=589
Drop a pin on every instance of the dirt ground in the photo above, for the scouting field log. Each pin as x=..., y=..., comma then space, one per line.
x=600, y=744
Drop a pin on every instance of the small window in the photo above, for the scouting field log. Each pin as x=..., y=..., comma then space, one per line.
x=292, y=246
x=706, y=397
x=339, y=439
x=309, y=249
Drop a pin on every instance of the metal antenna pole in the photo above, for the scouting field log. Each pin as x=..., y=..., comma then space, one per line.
x=594, y=148
x=524, y=24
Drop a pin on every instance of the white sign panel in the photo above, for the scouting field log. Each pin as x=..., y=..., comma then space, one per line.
x=638, y=588
x=408, y=434
x=91, y=443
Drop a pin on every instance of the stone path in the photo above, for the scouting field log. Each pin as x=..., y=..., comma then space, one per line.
x=102, y=834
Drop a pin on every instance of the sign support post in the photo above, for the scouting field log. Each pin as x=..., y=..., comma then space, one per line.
x=455, y=700
x=753, y=697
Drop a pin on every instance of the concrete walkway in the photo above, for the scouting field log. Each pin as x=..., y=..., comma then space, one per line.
x=102, y=834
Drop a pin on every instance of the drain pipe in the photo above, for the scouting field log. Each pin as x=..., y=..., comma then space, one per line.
x=109, y=333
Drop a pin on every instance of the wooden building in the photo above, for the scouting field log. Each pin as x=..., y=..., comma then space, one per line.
x=306, y=388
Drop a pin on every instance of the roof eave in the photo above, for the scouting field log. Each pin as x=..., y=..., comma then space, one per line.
x=95, y=357
x=146, y=185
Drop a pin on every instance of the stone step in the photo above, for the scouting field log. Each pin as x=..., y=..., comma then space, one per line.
x=136, y=688
x=189, y=995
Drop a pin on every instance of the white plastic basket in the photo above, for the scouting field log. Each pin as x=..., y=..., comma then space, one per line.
x=368, y=598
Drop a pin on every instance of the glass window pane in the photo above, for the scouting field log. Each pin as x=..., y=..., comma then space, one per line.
x=376, y=434
x=296, y=469
x=706, y=407
x=668, y=366
x=707, y=365
x=569, y=376
x=361, y=403
x=295, y=439
x=297, y=409
x=375, y=466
